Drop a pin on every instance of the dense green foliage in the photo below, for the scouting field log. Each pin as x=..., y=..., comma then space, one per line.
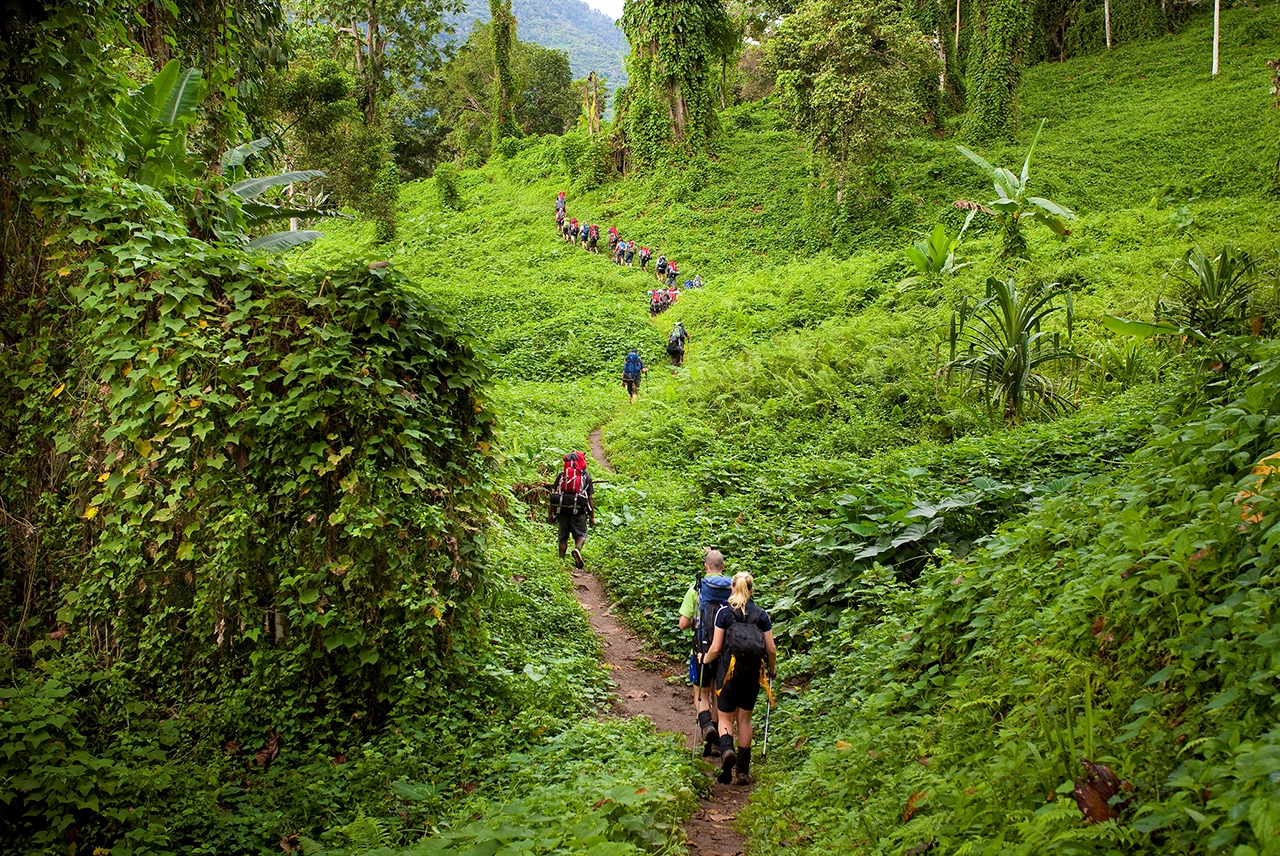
x=270, y=579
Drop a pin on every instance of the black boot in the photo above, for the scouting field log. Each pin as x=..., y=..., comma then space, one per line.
x=742, y=774
x=727, y=759
x=710, y=737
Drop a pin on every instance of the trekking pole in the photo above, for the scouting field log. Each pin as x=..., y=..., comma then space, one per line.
x=764, y=747
x=697, y=708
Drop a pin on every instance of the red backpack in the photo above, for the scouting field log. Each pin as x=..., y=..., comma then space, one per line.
x=575, y=469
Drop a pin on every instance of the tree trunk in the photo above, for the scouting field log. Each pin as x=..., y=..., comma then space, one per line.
x=1106, y=16
x=724, y=67
x=942, y=55
x=957, y=29
x=1217, y=17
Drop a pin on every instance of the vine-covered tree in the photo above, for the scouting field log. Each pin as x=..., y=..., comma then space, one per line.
x=675, y=48
x=847, y=73
x=997, y=51
x=503, y=23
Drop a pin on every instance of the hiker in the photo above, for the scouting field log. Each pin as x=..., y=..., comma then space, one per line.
x=645, y=255
x=593, y=235
x=697, y=281
x=632, y=372
x=675, y=344
x=631, y=254
x=698, y=610
x=564, y=229
x=660, y=267
x=664, y=300
x=618, y=250
x=674, y=294
x=583, y=233
x=745, y=652
x=560, y=221
x=573, y=230
x=561, y=203
x=672, y=271
x=655, y=301
x=613, y=239
x=572, y=506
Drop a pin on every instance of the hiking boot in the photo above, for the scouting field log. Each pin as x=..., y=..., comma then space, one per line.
x=727, y=759
x=741, y=777
x=742, y=774
x=577, y=559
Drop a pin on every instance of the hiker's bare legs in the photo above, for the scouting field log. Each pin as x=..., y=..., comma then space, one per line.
x=744, y=728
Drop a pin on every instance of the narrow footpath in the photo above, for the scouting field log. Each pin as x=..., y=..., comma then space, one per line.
x=642, y=690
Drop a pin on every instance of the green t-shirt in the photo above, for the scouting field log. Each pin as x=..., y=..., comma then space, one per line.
x=689, y=606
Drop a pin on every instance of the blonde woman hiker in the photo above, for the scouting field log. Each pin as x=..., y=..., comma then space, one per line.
x=745, y=652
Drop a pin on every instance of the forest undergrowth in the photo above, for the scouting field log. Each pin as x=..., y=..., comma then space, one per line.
x=967, y=608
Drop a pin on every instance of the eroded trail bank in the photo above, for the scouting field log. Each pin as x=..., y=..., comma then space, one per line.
x=642, y=689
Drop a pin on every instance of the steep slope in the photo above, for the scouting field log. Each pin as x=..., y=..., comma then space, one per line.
x=938, y=695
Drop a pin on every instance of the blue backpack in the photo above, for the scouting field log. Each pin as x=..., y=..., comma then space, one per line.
x=631, y=370
x=713, y=594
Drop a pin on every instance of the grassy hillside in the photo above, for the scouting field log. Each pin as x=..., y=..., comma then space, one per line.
x=1088, y=590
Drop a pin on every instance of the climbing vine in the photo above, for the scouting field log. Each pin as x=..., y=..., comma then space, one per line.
x=504, y=82
x=1001, y=32
x=672, y=69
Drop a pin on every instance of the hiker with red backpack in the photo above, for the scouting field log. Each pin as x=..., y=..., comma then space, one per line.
x=561, y=203
x=572, y=506
x=593, y=236
x=710, y=591
x=645, y=255
x=746, y=659
x=573, y=230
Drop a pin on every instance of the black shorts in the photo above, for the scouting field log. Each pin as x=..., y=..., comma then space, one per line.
x=572, y=525
x=740, y=692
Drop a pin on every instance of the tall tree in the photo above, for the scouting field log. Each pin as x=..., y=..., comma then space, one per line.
x=503, y=23
x=847, y=73
x=1001, y=32
x=393, y=42
x=671, y=65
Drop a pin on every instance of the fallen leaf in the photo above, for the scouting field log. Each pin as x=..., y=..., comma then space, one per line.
x=340, y=758
x=800, y=741
x=843, y=745
x=912, y=801
x=641, y=791
x=1094, y=792
x=600, y=802
x=60, y=633
x=289, y=843
x=922, y=848
x=468, y=787
x=925, y=760
x=267, y=754
x=719, y=817
x=232, y=747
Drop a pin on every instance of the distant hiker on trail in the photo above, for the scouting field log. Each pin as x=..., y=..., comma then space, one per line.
x=696, y=282
x=573, y=230
x=593, y=235
x=631, y=254
x=584, y=233
x=672, y=271
x=655, y=301
x=565, y=226
x=709, y=592
x=660, y=267
x=613, y=239
x=664, y=300
x=618, y=250
x=561, y=203
x=560, y=221
x=572, y=506
x=748, y=659
x=675, y=344
x=645, y=255
x=632, y=372
x=673, y=294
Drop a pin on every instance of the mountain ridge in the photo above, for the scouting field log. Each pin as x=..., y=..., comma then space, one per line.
x=592, y=40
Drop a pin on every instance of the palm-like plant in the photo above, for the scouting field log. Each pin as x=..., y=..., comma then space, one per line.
x=1212, y=295
x=1014, y=203
x=1000, y=347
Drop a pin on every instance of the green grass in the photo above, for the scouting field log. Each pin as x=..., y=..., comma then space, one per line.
x=812, y=374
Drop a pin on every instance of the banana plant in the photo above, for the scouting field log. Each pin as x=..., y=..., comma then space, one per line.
x=1013, y=202
x=156, y=119
x=935, y=254
x=1000, y=347
x=252, y=211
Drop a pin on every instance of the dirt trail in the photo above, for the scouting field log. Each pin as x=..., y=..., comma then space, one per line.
x=642, y=690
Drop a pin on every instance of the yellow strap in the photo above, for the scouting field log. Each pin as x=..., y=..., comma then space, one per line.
x=728, y=673
x=764, y=682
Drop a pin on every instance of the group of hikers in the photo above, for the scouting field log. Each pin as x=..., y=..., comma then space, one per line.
x=733, y=653
x=624, y=253
x=633, y=367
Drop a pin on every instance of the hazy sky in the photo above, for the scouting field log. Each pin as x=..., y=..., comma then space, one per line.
x=612, y=8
